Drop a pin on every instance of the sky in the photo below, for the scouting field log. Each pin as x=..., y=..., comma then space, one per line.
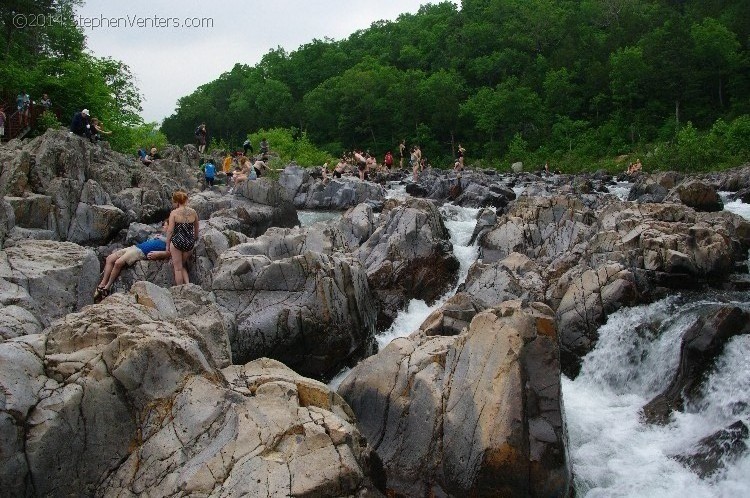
x=170, y=60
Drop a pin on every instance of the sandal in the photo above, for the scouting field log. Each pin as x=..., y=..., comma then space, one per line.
x=100, y=293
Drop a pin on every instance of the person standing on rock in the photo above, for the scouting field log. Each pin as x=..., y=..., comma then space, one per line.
x=2, y=124
x=388, y=161
x=401, y=151
x=153, y=249
x=247, y=145
x=461, y=152
x=263, y=149
x=209, y=170
x=182, y=233
x=415, y=161
x=200, y=137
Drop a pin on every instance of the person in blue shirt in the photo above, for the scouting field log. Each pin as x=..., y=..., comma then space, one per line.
x=210, y=172
x=152, y=249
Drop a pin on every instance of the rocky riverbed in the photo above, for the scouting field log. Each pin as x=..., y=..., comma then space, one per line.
x=217, y=387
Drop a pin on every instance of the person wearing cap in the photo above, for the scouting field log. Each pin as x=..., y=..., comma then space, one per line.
x=80, y=124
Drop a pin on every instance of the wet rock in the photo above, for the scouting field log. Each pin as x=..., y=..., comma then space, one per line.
x=587, y=299
x=408, y=257
x=712, y=453
x=700, y=346
x=477, y=414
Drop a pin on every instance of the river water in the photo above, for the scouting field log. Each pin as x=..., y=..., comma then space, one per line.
x=613, y=453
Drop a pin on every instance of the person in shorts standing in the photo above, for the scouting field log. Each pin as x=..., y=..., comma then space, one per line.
x=200, y=137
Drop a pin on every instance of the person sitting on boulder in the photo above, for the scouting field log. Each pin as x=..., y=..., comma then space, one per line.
x=97, y=130
x=153, y=249
x=80, y=124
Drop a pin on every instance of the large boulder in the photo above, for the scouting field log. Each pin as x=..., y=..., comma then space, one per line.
x=474, y=414
x=700, y=346
x=266, y=432
x=698, y=195
x=109, y=372
x=59, y=277
x=86, y=192
x=312, y=311
x=127, y=397
x=514, y=277
x=339, y=194
x=588, y=296
x=408, y=257
x=542, y=228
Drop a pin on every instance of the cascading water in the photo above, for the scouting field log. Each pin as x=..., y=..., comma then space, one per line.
x=615, y=454
x=460, y=223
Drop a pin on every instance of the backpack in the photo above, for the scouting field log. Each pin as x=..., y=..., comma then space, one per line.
x=253, y=174
x=210, y=170
x=198, y=131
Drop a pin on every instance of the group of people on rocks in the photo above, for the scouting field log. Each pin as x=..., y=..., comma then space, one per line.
x=363, y=164
x=23, y=106
x=634, y=168
x=84, y=125
x=176, y=242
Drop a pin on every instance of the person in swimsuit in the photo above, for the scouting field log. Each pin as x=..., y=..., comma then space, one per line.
x=461, y=152
x=152, y=249
x=182, y=233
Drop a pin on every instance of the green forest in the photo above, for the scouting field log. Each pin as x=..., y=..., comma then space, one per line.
x=574, y=82
x=42, y=50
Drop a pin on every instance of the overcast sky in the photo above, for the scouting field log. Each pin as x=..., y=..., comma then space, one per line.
x=169, y=62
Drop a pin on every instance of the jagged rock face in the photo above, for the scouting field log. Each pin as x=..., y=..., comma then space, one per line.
x=7, y=221
x=477, y=414
x=357, y=224
x=79, y=396
x=268, y=432
x=86, y=192
x=697, y=195
x=712, y=453
x=541, y=228
x=408, y=257
x=338, y=193
x=52, y=278
x=476, y=195
x=700, y=346
x=119, y=399
x=654, y=188
x=514, y=277
x=314, y=312
x=588, y=297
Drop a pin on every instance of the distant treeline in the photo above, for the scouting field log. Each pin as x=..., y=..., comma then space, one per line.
x=570, y=81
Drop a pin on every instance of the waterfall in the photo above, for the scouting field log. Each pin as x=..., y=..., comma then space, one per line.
x=613, y=453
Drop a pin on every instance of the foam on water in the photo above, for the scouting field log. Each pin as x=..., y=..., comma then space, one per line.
x=621, y=190
x=613, y=453
x=460, y=223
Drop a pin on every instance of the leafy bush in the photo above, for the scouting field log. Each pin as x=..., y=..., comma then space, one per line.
x=128, y=139
x=290, y=145
x=45, y=121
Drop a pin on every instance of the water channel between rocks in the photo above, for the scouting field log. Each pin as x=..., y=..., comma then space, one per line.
x=613, y=453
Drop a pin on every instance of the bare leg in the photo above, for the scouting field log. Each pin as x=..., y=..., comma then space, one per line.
x=108, y=264
x=177, y=264
x=116, y=269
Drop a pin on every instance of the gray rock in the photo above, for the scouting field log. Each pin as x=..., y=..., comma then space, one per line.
x=408, y=257
x=314, y=312
x=477, y=414
x=59, y=277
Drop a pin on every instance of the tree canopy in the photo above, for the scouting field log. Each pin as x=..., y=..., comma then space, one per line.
x=42, y=50
x=572, y=78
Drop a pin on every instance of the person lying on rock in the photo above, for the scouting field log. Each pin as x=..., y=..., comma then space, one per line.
x=152, y=249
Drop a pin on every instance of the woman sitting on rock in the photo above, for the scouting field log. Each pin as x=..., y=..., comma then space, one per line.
x=182, y=233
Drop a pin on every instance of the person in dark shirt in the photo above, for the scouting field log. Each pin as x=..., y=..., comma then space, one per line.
x=80, y=124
